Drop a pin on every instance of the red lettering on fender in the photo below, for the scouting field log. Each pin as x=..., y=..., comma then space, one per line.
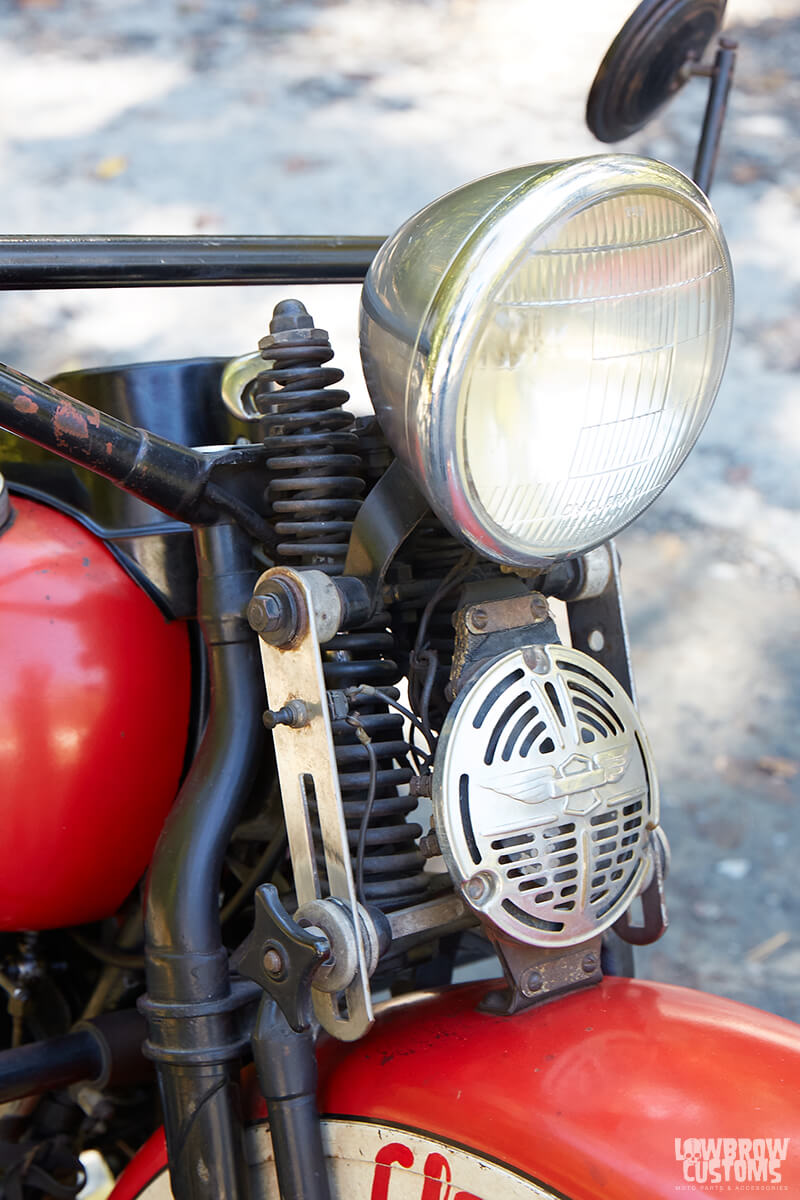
x=437, y=1172
x=389, y=1155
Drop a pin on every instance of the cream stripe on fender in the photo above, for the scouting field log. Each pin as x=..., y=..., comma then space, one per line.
x=383, y=1162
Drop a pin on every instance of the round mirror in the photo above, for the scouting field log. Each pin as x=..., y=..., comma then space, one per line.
x=646, y=63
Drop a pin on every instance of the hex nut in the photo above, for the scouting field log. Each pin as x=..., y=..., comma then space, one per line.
x=264, y=613
x=273, y=611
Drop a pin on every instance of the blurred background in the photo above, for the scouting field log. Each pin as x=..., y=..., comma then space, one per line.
x=345, y=116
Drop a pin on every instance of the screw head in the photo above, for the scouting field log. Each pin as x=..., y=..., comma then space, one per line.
x=589, y=963
x=530, y=982
x=479, y=618
x=539, y=609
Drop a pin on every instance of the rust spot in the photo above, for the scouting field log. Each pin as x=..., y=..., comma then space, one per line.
x=93, y=417
x=24, y=404
x=69, y=424
x=108, y=447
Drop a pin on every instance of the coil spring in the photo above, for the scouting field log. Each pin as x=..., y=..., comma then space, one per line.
x=313, y=496
x=393, y=874
x=434, y=551
x=433, y=548
x=315, y=485
x=373, y=449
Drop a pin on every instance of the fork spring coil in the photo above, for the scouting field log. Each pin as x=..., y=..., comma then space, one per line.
x=314, y=493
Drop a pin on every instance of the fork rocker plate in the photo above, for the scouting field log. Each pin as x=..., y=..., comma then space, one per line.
x=309, y=781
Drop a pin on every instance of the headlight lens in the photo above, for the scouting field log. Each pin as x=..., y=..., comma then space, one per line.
x=544, y=347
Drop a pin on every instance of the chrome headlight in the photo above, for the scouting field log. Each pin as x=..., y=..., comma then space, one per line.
x=543, y=346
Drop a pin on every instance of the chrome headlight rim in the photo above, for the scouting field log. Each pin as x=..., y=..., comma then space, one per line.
x=457, y=315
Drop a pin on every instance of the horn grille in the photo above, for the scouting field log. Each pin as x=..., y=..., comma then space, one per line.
x=543, y=789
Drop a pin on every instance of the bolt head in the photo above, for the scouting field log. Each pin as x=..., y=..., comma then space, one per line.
x=264, y=613
x=589, y=963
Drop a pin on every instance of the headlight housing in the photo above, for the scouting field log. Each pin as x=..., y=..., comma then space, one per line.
x=543, y=347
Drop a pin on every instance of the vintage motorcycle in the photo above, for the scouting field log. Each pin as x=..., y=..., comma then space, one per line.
x=333, y=638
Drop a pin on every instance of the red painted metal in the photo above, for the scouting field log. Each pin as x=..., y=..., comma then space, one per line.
x=94, y=710
x=587, y=1094
x=149, y=1162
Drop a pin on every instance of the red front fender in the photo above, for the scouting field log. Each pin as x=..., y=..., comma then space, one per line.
x=594, y=1095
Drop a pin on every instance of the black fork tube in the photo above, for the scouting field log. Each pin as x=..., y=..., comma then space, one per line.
x=287, y=1071
x=194, y=1035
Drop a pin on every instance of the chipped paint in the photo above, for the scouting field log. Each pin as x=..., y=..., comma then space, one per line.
x=25, y=404
x=70, y=424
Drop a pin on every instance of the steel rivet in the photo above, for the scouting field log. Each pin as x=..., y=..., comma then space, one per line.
x=273, y=962
x=530, y=982
x=479, y=888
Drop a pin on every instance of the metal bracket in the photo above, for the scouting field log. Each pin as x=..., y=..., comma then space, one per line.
x=654, y=905
x=391, y=511
x=443, y=914
x=597, y=625
x=237, y=375
x=309, y=781
x=490, y=628
x=535, y=975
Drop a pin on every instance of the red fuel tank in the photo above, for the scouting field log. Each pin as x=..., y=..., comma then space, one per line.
x=94, y=713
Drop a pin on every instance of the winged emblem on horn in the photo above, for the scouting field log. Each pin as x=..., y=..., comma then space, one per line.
x=577, y=781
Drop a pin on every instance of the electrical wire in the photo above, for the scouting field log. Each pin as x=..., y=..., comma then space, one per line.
x=432, y=659
x=419, y=695
x=127, y=960
x=365, y=690
x=264, y=866
x=365, y=820
x=462, y=567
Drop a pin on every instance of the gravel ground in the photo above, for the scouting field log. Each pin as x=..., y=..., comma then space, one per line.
x=346, y=116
